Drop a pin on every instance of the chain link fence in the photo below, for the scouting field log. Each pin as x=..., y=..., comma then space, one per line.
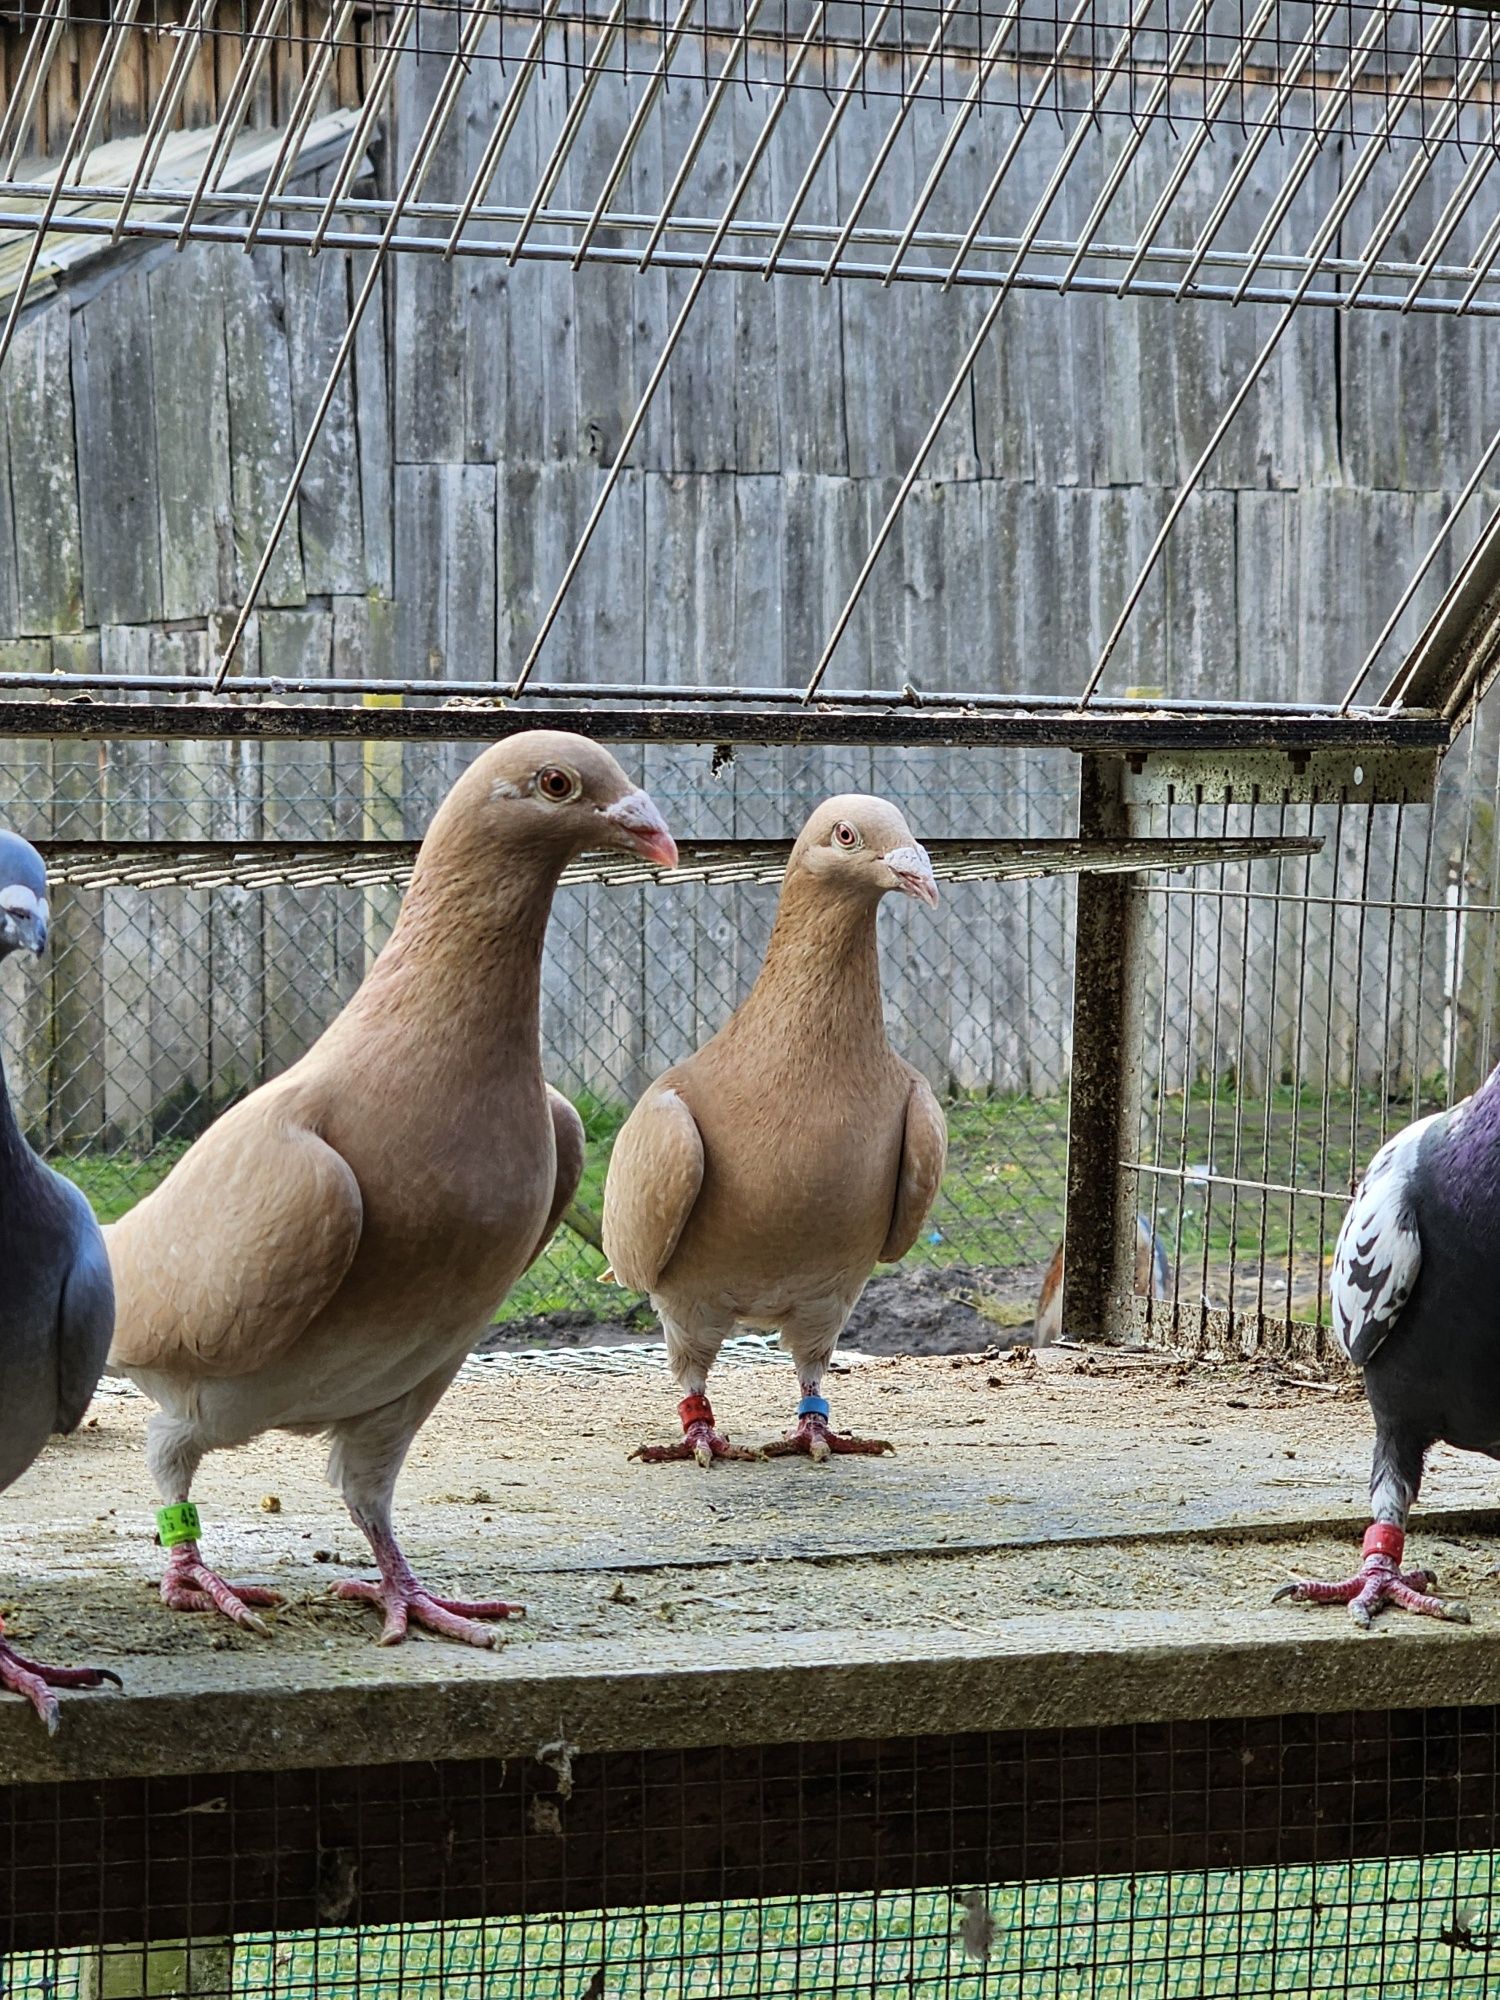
x=1298, y=1014
x=1298, y=1011
x=161, y=1005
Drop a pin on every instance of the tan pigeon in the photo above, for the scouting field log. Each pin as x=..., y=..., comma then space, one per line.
x=324, y=1257
x=759, y=1182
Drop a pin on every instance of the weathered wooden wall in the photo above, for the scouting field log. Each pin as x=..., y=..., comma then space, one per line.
x=148, y=55
x=149, y=416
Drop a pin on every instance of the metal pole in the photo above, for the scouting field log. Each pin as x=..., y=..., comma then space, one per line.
x=1104, y=1097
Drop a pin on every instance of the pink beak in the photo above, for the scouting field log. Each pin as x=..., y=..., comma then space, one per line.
x=913, y=872
x=638, y=825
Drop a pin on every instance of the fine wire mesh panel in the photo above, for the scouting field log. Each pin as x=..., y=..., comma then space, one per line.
x=1299, y=1013
x=159, y=1006
x=1293, y=1856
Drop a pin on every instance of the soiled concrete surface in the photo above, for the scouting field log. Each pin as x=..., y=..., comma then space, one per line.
x=1086, y=1538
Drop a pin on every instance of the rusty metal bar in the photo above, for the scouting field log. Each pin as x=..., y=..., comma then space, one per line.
x=1138, y=730
x=1104, y=1097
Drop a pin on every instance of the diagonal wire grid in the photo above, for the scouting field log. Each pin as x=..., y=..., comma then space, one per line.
x=1278, y=160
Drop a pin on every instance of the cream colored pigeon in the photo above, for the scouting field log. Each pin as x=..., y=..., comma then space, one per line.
x=759, y=1182
x=325, y=1256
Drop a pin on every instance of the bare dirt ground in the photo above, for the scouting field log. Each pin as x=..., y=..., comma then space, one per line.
x=923, y=1309
x=1071, y=1482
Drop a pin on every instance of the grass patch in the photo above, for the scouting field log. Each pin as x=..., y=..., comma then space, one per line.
x=1002, y=1202
x=1374, y=1927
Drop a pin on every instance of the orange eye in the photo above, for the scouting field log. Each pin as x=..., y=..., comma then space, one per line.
x=554, y=783
x=844, y=835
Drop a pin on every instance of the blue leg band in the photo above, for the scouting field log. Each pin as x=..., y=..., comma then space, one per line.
x=812, y=1406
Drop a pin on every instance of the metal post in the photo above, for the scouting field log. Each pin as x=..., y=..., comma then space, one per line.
x=1105, y=1096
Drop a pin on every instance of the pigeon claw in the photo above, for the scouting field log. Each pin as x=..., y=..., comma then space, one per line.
x=190, y=1585
x=1378, y=1583
x=814, y=1437
x=700, y=1441
x=405, y=1604
x=35, y=1682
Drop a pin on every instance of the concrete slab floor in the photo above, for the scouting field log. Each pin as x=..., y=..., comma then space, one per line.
x=1082, y=1538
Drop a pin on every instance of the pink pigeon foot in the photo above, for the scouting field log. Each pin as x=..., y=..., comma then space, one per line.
x=700, y=1439
x=813, y=1435
x=1380, y=1581
x=190, y=1585
x=405, y=1602
x=35, y=1682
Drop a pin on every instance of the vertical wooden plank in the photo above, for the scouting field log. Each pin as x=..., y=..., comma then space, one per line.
x=192, y=434
x=261, y=426
x=113, y=388
x=445, y=599
x=10, y=608
x=373, y=431
x=127, y=94
x=43, y=491
x=329, y=505
x=200, y=97
x=428, y=358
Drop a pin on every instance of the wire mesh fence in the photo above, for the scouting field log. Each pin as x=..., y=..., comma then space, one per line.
x=1297, y=1011
x=164, y=1003
x=1298, y=1014
x=1304, y=1855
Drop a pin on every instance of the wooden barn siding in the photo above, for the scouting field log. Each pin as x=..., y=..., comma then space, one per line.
x=148, y=55
x=459, y=462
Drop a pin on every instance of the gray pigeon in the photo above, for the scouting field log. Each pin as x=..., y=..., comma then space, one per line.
x=57, y=1308
x=1412, y=1307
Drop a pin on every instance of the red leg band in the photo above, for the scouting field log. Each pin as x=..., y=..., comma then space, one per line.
x=695, y=1410
x=1383, y=1538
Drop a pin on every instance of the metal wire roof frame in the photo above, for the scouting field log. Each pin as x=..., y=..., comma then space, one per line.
x=1397, y=85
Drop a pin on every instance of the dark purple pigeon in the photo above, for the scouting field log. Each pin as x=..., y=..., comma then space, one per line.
x=57, y=1303
x=1415, y=1292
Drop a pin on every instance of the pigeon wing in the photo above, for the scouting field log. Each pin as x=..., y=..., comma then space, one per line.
x=924, y=1154
x=225, y=1265
x=568, y=1142
x=1379, y=1251
x=655, y=1174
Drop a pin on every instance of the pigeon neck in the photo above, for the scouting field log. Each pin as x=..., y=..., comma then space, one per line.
x=464, y=961
x=1474, y=1140
x=822, y=967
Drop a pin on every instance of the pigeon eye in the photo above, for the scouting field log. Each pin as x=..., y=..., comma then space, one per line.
x=558, y=785
x=844, y=835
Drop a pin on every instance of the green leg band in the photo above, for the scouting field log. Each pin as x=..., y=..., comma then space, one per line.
x=178, y=1523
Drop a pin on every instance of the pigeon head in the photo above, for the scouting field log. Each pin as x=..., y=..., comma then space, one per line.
x=862, y=846
x=23, y=897
x=567, y=792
